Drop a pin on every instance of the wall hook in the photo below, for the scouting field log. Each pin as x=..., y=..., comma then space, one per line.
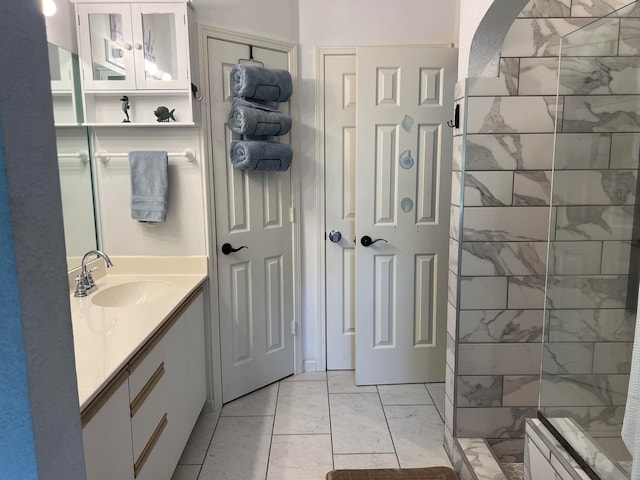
x=194, y=91
x=455, y=123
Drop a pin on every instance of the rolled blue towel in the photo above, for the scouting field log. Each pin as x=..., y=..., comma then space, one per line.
x=254, y=121
x=268, y=84
x=243, y=102
x=261, y=156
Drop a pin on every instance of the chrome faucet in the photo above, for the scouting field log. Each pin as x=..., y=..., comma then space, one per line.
x=84, y=281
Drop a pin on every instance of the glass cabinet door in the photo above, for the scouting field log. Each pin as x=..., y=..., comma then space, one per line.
x=161, y=46
x=106, y=46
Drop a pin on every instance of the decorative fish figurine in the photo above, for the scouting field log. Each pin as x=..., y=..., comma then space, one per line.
x=163, y=114
x=125, y=107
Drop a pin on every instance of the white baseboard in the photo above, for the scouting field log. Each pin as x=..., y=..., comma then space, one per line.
x=310, y=366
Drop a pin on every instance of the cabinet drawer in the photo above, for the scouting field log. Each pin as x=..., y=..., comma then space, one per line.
x=147, y=410
x=152, y=464
x=143, y=366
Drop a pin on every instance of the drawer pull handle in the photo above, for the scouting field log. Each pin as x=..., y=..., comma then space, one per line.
x=147, y=389
x=142, y=459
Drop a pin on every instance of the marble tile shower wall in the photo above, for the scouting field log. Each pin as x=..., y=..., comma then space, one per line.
x=500, y=224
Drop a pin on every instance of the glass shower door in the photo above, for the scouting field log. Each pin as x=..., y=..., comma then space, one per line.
x=593, y=260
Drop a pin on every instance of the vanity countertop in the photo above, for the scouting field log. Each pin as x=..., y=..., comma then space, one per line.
x=106, y=338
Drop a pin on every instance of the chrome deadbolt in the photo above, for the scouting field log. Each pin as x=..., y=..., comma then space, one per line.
x=335, y=236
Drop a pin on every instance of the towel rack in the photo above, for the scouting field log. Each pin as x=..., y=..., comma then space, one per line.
x=250, y=59
x=105, y=156
x=82, y=156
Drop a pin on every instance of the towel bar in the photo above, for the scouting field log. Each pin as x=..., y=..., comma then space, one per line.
x=105, y=156
x=82, y=156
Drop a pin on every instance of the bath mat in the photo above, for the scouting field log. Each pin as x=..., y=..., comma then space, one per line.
x=431, y=473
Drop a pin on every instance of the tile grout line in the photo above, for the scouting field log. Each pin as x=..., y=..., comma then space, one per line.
x=275, y=411
x=245, y=416
x=210, y=444
x=395, y=451
x=434, y=402
x=333, y=462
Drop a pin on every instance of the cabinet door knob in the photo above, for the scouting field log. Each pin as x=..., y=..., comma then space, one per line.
x=127, y=46
x=137, y=46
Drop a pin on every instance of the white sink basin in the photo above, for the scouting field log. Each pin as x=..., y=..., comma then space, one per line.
x=130, y=293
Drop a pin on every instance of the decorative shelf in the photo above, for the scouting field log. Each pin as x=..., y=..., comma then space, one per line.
x=106, y=78
x=139, y=124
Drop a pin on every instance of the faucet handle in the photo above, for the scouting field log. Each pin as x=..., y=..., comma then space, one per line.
x=81, y=290
x=89, y=278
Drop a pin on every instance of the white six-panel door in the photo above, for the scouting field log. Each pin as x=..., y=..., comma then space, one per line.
x=405, y=96
x=252, y=210
x=340, y=207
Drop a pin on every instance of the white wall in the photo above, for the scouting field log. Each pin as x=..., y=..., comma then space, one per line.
x=61, y=28
x=184, y=232
x=275, y=19
x=471, y=14
x=353, y=22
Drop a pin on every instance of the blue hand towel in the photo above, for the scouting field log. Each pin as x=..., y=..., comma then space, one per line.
x=255, y=121
x=268, y=84
x=149, y=186
x=261, y=156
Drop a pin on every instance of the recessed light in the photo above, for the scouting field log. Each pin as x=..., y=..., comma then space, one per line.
x=48, y=8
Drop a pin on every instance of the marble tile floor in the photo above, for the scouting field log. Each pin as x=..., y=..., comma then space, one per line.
x=627, y=465
x=306, y=425
x=514, y=471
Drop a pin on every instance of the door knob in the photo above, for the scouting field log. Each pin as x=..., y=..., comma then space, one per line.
x=227, y=248
x=335, y=236
x=367, y=241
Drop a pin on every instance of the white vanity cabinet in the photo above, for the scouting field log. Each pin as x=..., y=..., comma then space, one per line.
x=139, y=50
x=148, y=390
x=106, y=433
x=139, y=432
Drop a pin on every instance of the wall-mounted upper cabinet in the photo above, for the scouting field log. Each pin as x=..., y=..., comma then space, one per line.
x=138, y=50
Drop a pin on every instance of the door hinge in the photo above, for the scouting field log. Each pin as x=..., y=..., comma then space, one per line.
x=78, y=20
x=292, y=215
x=294, y=328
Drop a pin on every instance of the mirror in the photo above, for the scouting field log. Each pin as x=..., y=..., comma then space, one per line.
x=74, y=156
x=65, y=86
x=107, y=45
